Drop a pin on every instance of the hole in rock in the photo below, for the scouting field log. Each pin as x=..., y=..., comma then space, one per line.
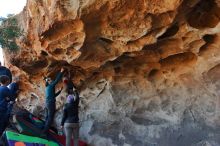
x=108, y=41
x=40, y=63
x=117, y=69
x=153, y=72
x=55, y=27
x=56, y=63
x=205, y=5
x=44, y=53
x=170, y=32
x=204, y=15
x=58, y=51
x=95, y=73
x=208, y=38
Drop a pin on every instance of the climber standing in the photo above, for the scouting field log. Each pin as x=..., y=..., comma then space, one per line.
x=4, y=71
x=5, y=96
x=50, y=99
x=70, y=119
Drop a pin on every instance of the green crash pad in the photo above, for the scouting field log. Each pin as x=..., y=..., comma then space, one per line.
x=12, y=136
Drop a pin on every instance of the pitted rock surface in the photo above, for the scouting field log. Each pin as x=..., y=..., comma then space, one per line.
x=147, y=70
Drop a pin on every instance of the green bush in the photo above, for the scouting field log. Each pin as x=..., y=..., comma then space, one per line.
x=9, y=31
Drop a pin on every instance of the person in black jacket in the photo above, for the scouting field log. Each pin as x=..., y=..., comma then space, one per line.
x=70, y=120
x=4, y=71
x=5, y=96
x=14, y=89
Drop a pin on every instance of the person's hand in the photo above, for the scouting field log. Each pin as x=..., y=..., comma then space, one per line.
x=11, y=102
x=7, y=98
x=62, y=70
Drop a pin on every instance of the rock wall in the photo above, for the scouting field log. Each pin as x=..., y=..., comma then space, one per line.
x=148, y=71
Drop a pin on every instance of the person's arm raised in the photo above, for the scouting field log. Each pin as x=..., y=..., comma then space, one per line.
x=58, y=77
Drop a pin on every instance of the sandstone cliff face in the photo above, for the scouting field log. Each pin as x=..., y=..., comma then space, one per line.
x=148, y=71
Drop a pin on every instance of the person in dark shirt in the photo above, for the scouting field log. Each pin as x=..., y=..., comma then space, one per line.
x=14, y=89
x=4, y=71
x=5, y=96
x=70, y=119
x=50, y=99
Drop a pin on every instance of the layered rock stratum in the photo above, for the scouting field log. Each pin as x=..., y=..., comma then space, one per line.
x=148, y=71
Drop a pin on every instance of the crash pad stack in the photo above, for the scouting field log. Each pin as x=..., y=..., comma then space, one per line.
x=28, y=133
x=16, y=139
